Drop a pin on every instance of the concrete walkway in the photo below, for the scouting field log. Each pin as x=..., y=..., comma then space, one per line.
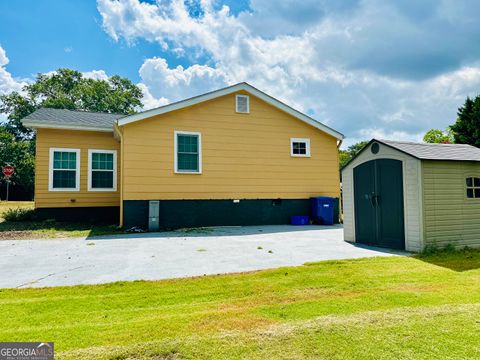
x=153, y=256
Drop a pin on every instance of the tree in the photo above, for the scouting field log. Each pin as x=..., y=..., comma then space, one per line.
x=69, y=89
x=436, y=136
x=19, y=154
x=466, y=129
x=352, y=150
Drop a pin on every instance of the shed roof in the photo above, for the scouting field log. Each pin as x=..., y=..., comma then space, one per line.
x=423, y=151
x=71, y=119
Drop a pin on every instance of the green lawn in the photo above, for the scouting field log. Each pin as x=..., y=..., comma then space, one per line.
x=379, y=308
x=46, y=229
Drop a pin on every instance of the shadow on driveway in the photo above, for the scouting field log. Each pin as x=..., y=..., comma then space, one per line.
x=220, y=231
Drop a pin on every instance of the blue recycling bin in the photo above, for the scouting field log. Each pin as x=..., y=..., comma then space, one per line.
x=323, y=208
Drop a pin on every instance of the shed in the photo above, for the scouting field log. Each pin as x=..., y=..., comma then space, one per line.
x=406, y=195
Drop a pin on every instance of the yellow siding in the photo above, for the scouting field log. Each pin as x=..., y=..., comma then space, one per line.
x=83, y=140
x=449, y=217
x=245, y=156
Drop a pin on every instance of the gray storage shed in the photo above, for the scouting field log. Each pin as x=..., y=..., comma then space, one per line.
x=407, y=195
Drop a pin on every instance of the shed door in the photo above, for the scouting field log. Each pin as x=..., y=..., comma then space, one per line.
x=378, y=192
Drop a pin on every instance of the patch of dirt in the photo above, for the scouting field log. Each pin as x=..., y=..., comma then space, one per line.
x=19, y=235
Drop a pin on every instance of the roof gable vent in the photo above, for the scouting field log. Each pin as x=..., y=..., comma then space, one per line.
x=242, y=104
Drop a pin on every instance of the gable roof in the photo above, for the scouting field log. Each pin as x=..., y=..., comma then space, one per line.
x=423, y=151
x=226, y=91
x=70, y=119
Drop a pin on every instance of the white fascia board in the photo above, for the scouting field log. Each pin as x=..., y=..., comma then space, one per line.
x=226, y=91
x=42, y=125
x=179, y=105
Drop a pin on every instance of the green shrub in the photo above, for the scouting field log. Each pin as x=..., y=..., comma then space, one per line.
x=18, y=214
x=433, y=249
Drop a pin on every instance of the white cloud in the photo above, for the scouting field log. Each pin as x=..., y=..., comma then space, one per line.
x=149, y=101
x=179, y=83
x=96, y=75
x=370, y=68
x=7, y=82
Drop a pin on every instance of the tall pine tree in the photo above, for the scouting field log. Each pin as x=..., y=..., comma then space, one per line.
x=466, y=130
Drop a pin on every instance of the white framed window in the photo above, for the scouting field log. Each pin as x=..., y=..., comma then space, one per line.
x=242, y=104
x=299, y=147
x=188, y=152
x=64, y=170
x=102, y=170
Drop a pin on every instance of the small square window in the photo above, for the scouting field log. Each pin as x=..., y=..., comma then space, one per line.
x=299, y=147
x=473, y=187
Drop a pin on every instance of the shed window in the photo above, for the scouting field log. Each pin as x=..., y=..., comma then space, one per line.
x=102, y=170
x=188, y=152
x=473, y=187
x=300, y=147
x=64, y=172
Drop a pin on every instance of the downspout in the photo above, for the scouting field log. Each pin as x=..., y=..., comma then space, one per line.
x=339, y=143
x=120, y=134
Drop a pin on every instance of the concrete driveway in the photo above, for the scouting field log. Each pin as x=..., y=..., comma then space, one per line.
x=153, y=256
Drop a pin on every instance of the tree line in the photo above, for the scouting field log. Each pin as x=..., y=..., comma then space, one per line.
x=465, y=130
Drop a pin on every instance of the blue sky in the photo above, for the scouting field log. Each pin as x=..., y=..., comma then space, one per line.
x=44, y=35
x=370, y=68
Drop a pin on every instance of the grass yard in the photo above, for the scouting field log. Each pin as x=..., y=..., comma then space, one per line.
x=378, y=308
x=10, y=230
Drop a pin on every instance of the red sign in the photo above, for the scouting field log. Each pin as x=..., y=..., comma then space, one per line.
x=8, y=170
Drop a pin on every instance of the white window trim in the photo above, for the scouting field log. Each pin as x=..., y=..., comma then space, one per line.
x=304, y=140
x=176, y=133
x=90, y=153
x=77, y=170
x=248, y=104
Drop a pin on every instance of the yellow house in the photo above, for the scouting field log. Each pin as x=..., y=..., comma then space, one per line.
x=234, y=156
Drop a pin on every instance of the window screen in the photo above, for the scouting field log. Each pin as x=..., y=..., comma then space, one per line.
x=473, y=187
x=188, y=153
x=64, y=170
x=103, y=171
x=242, y=104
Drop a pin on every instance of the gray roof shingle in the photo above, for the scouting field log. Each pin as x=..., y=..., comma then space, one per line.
x=422, y=151
x=49, y=117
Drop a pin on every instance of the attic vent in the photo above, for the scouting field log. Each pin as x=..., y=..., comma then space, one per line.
x=242, y=104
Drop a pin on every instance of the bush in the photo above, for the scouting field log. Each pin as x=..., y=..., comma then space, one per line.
x=433, y=249
x=18, y=214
